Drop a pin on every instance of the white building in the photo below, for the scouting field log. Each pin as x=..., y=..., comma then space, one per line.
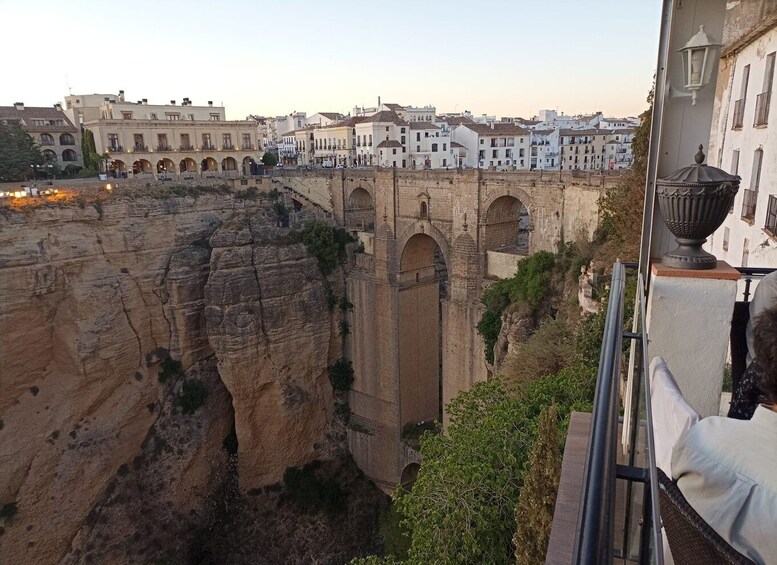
x=545, y=154
x=497, y=145
x=595, y=149
x=743, y=142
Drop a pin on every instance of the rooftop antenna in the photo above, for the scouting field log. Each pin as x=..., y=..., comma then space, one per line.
x=67, y=86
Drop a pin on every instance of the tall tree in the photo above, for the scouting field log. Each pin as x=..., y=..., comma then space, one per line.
x=89, y=151
x=18, y=151
x=534, y=511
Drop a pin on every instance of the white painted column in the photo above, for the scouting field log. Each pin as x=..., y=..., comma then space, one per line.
x=688, y=323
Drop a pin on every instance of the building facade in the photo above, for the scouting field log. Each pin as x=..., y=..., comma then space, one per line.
x=743, y=141
x=501, y=146
x=58, y=137
x=171, y=140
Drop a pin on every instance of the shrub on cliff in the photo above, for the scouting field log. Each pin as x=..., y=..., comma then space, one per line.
x=530, y=285
x=341, y=374
x=192, y=396
x=171, y=369
x=305, y=488
x=326, y=244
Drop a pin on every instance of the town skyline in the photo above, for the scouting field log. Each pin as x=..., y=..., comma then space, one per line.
x=488, y=62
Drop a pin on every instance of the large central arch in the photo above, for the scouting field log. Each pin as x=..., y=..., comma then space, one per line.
x=422, y=286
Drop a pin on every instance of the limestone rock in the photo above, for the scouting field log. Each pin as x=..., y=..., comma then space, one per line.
x=269, y=326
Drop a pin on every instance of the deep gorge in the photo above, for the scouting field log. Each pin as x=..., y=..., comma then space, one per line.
x=99, y=457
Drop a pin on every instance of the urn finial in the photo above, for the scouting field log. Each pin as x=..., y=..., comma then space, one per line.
x=700, y=155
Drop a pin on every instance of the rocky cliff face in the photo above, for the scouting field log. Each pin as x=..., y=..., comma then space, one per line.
x=93, y=298
x=271, y=329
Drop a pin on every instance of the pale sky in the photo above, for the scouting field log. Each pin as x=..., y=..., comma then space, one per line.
x=508, y=58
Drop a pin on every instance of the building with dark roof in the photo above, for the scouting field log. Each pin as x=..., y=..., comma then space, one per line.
x=59, y=139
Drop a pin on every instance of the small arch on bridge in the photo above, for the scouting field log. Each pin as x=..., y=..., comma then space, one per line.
x=360, y=210
x=507, y=225
x=409, y=475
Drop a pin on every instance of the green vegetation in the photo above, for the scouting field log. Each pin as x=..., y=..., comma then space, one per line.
x=305, y=488
x=171, y=368
x=8, y=511
x=192, y=396
x=534, y=511
x=326, y=244
x=412, y=432
x=269, y=159
x=341, y=374
x=281, y=212
x=529, y=286
x=396, y=537
x=19, y=151
x=250, y=193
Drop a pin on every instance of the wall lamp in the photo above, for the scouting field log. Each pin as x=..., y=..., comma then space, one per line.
x=698, y=62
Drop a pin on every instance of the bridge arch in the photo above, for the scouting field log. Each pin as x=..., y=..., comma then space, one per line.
x=425, y=228
x=409, y=475
x=423, y=273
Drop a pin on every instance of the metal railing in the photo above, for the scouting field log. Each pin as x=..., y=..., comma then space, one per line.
x=641, y=542
x=749, y=200
x=762, y=109
x=739, y=114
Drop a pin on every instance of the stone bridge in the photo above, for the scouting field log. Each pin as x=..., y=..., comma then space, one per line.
x=432, y=241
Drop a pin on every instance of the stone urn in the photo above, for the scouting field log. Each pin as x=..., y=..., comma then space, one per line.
x=694, y=202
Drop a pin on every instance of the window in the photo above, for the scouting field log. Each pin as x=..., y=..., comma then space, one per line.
x=38, y=122
x=745, y=252
x=126, y=115
x=726, y=236
x=771, y=216
x=417, y=148
x=162, y=141
x=113, y=141
x=482, y=141
x=191, y=117
x=394, y=151
x=444, y=162
x=763, y=99
x=434, y=147
x=755, y=180
x=206, y=143
x=402, y=130
x=418, y=136
x=735, y=162
x=424, y=210
x=370, y=140
x=444, y=146
x=739, y=105
x=494, y=153
x=226, y=140
x=246, y=141
x=215, y=117
x=153, y=116
x=402, y=139
x=387, y=128
x=138, y=140
x=173, y=117
x=185, y=143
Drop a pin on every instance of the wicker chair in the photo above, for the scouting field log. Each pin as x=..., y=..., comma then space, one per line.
x=691, y=539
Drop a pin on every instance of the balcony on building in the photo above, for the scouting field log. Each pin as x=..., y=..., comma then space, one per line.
x=749, y=201
x=762, y=109
x=739, y=114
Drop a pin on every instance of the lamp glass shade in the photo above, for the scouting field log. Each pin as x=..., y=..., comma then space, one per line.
x=698, y=60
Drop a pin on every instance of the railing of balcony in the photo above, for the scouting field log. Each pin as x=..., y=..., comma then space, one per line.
x=163, y=148
x=749, y=200
x=739, y=114
x=762, y=109
x=140, y=148
x=185, y=148
x=637, y=518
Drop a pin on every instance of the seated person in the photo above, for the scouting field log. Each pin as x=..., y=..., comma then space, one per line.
x=746, y=394
x=727, y=469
